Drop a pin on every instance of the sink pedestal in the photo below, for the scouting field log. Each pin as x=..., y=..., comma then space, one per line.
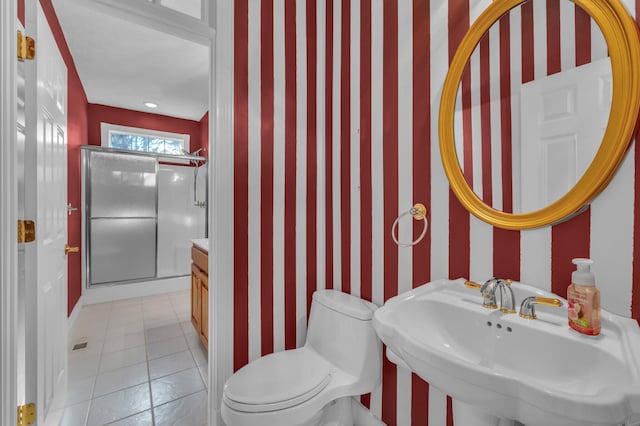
x=466, y=414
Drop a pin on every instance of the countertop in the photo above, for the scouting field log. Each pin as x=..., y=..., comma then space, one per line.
x=202, y=244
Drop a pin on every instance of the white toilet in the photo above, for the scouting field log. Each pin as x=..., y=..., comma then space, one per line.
x=342, y=357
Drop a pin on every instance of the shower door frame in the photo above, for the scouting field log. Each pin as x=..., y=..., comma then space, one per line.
x=86, y=211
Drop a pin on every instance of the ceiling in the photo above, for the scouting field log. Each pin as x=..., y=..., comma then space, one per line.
x=124, y=64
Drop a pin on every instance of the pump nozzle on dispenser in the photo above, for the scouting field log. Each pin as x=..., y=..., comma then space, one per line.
x=583, y=275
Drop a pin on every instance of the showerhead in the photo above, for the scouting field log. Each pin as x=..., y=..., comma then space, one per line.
x=190, y=154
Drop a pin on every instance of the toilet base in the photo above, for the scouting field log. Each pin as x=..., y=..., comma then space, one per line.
x=335, y=413
x=467, y=414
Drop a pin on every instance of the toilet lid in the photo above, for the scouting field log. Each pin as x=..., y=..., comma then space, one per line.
x=278, y=381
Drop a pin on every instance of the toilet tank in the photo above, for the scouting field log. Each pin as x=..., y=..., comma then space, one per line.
x=340, y=330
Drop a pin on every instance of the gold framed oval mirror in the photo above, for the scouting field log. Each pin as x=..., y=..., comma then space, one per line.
x=621, y=35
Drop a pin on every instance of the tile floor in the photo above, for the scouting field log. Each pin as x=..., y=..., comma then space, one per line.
x=143, y=365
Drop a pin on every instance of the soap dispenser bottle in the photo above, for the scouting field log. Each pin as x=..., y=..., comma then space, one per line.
x=584, y=299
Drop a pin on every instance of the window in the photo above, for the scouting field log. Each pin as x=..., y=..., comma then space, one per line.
x=145, y=140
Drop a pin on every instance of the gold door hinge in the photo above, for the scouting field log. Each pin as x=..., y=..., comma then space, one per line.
x=26, y=231
x=26, y=414
x=26, y=47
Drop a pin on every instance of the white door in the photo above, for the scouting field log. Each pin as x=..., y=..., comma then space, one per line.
x=563, y=121
x=46, y=188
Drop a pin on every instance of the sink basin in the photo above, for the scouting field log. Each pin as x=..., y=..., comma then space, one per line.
x=538, y=372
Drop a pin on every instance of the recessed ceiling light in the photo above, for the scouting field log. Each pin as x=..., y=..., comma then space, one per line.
x=151, y=105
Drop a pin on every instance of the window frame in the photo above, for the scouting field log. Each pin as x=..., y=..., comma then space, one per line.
x=107, y=128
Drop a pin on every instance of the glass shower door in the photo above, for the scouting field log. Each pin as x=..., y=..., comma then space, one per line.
x=123, y=217
x=180, y=218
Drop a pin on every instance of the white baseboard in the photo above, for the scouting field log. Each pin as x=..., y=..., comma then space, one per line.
x=126, y=291
x=362, y=416
x=74, y=312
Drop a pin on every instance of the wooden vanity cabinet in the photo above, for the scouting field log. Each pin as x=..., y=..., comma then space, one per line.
x=200, y=293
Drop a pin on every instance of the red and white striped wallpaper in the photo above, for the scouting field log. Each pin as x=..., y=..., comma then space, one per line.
x=335, y=134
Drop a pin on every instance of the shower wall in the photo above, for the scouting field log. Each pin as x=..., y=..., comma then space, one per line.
x=140, y=216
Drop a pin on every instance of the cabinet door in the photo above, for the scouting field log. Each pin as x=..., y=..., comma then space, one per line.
x=204, y=311
x=195, y=298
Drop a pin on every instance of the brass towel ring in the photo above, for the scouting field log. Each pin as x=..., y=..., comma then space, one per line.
x=419, y=212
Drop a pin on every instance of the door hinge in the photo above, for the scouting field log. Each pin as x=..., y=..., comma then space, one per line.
x=26, y=414
x=26, y=47
x=26, y=231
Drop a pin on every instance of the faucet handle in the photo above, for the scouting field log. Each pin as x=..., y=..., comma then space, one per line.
x=472, y=284
x=488, y=294
x=527, y=308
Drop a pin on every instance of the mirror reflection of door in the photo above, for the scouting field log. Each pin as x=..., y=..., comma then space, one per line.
x=533, y=41
x=563, y=119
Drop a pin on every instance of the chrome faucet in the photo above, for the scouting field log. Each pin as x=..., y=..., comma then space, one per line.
x=489, y=290
x=507, y=299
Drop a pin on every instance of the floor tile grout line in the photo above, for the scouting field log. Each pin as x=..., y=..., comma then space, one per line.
x=196, y=363
x=102, y=353
x=119, y=390
x=140, y=362
x=183, y=397
x=121, y=349
x=126, y=387
x=172, y=373
x=95, y=379
x=86, y=414
x=192, y=354
x=191, y=349
x=146, y=349
x=129, y=416
x=198, y=367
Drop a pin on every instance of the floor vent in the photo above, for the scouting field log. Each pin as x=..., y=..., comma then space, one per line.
x=79, y=346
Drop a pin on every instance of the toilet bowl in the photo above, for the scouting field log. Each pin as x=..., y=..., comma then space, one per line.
x=342, y=357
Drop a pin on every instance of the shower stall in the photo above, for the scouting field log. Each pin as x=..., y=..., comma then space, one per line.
x=140, y=211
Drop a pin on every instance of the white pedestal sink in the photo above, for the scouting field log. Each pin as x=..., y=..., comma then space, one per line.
x=538, y=372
